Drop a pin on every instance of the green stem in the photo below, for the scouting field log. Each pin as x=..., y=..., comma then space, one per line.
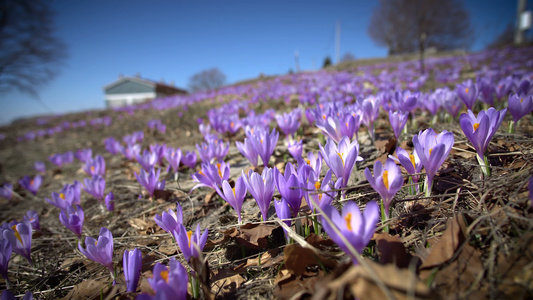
x=485, y=165
x=512, y=126
x=384, y=217
x=427, y=186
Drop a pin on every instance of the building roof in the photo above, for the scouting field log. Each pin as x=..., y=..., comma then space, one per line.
x=157, y=86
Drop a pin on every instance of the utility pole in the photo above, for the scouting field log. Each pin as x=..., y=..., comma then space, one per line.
x=338, y=42
x=519, y=33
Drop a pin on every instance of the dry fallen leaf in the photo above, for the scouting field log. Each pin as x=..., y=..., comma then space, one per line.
x=392, y=251
x=298, y=258
x=253, y=236
x=358, y=283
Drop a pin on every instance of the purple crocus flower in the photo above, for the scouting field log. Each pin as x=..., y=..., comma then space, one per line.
x=331, y=127
x=432, y=149
x=6, y=191
x=30, y=184
x=61, y=200
x=295, y=148
x=261, y=187
x=169, y=221
x=398, y=119
x=289, y=122
x=410, y=162
x=247, y=150
x=289, y=187
x=468, y=92
x=341, y=158
x=110, y=201
x=84, y=155
x=56, y=159
x=94, y=166
x=147, y=160
x=173, y=157
x=387, y=181
x=320, y=192
x=234, y=196
x=40, y=166
x=131, y=151
x=132, y=263
x=150, y=180
x=159, y=150
x=20, y=236
x=33, y=217
x=7, y=295
x=72, y=218
x=211, y=175
x=480, y=130
x=487, y=91
x=370, y=109
x=264, y=142
x=112, y=145
x=75, y=190
x=356, y=228
x=283, y=211
x=134, y=138
x=5, y=255
x=189, y=159
x=190, y=243
x=313, y=161
x=101, y=250
x=168, y=283
x=95, y=187
x=519, y=106
x=213, y=149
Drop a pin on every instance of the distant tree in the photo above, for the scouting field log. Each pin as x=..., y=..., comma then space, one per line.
x=505, y=38
x=347, y=57
x=326, y=63
x=407, y=26
x=31, y=54
x=206, y=80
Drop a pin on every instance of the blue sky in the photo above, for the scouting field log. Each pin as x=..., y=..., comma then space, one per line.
x=172, y=40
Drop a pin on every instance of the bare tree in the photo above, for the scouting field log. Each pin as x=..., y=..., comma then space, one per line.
x=205, y=80
x=31, y=55
x=348, y=56
x=407, y=26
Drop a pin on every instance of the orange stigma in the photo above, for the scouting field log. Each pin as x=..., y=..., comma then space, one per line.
x=189, y=234
x=348, y=220
x=412, y=158
x=466, y=90
x=17, y=234
x=476, y=126
x=62, y=196
x=386, y=179
x=164, y=275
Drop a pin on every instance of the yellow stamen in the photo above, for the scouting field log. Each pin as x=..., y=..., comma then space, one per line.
x=62, y=196
x=348, y=220
x=17, y=234
x=324, y=117
x=92, y=169
x=476, y=126
x=308, y=161
x=189, y=234
x=317, y=185
x=219, y=171
x=164, y=275
x=430, y=150
x=466, y=90
x=521, y=99
x=95, y=243
x=386, y=179
x=342, y=159
x=232, y=124
x=31, y=182
x=412, y=158
x=233, y=189
x=261, y=141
